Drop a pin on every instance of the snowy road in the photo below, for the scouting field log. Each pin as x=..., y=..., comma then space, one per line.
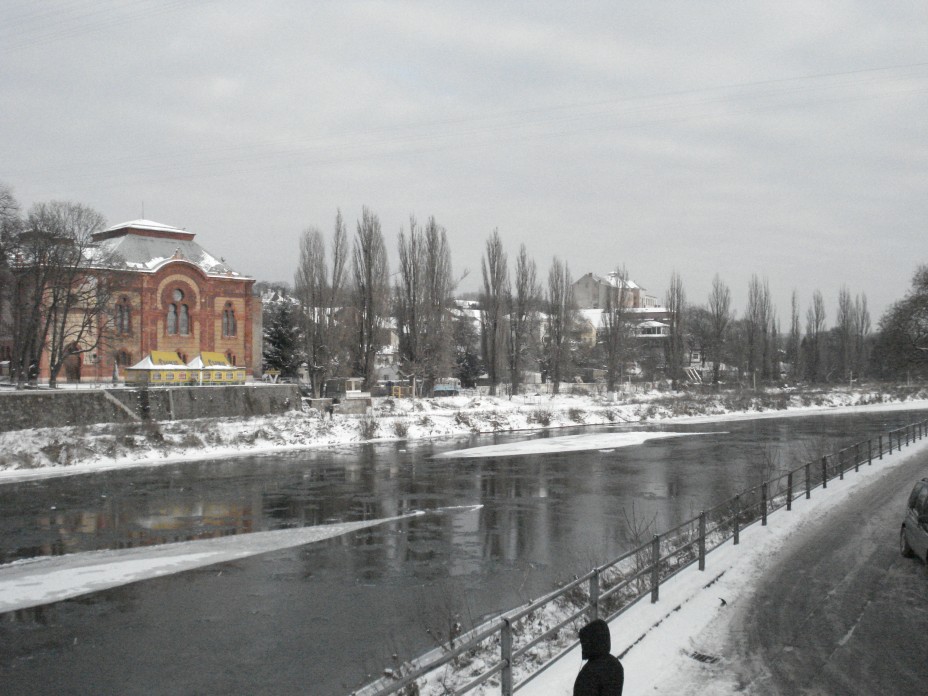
x=844, y=613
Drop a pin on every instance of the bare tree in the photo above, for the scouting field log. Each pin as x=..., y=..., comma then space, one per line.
x=758, y=319
x=10, y=224
x=720, y=317
x=815, y=339
x=371, y=295
x=861, y=334
x=61, y=290
x=320, y=287
x=903, y=341
x=617, y=328
x=844, y=332
x=561, y=320
x=492, y=302
x=793, y=354
x=675, y=301
x=423, y=302
x=523, y=302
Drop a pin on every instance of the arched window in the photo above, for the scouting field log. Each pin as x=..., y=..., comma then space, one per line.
x=229, y=325
x=183, y=323
x=178, y=316
x=123, y=318
x=172, y=319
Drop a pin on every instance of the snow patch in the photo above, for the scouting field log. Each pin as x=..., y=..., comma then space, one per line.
x=33, y=582
x=605, y=442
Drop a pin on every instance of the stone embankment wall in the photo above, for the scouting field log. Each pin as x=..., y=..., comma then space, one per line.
x=48, y=408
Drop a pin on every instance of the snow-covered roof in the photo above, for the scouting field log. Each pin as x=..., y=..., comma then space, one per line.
x=613, y=280
x=209, y=360
x=593, y=316
x=159, y=359
x=145, y=245
x=149, y=225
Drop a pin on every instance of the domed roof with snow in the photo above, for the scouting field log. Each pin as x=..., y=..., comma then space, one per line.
x=145, y=245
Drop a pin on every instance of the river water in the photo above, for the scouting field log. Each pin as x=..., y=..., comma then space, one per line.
x=322, y=618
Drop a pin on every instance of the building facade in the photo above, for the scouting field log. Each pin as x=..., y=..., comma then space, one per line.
x=168, y=294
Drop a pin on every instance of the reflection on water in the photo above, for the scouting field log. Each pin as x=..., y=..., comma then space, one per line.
x=329, y=613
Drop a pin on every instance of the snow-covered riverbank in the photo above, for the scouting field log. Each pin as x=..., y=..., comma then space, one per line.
x=43, y=452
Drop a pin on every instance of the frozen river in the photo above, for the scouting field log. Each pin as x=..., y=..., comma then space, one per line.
x=318, y=617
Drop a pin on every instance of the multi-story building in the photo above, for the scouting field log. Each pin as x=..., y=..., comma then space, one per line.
x=168, y=294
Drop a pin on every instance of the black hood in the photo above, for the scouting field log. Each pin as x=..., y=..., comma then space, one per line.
x=594, y=639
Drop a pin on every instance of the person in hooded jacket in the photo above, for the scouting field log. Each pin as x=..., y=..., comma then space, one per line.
x=603, y=674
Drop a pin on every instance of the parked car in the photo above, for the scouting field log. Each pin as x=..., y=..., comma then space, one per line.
x=913, y=537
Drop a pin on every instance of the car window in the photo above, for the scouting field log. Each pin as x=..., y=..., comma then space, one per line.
x=921, y=505
x=913, y=496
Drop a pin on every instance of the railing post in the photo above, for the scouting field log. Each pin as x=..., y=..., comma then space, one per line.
x=505, y=649
x=808, y=480
x=825, y=471
x=889, y=436
x=789, y=491
x=702, y=540
x=857, y=457
x=870, y=452
x=763, y=504
x=655, y=568
x=881, y=446
x=841, y=464
x=737, y=534
x=594, y=595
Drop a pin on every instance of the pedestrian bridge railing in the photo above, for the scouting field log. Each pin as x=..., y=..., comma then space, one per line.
x=510, y=651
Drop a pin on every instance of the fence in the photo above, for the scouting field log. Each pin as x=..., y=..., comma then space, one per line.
x=518, y=637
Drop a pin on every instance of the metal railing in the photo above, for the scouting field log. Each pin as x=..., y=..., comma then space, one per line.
x=528, y=640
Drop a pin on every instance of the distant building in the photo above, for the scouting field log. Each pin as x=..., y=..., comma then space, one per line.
x=591, y=292
x=644, y=311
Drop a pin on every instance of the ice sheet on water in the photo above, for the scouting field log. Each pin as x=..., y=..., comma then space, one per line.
x=565, y=443
x=33, y=582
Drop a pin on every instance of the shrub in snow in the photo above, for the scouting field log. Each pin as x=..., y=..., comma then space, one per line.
x=400, y=428
x=368, y=427
x=541, y=416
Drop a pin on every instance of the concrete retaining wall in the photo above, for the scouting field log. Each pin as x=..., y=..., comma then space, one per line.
x=51, y=408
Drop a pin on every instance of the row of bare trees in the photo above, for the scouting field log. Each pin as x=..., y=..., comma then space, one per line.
x=522, y=324
x=346, y=300
x=757, y=349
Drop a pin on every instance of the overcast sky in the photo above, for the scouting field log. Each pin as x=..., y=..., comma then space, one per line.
x=785, y=139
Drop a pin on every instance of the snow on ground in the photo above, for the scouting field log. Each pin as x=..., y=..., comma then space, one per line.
x=48, y=579
x=45, y=452
x=690, y=615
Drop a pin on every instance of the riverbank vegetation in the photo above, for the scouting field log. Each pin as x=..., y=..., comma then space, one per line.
x=109, y=445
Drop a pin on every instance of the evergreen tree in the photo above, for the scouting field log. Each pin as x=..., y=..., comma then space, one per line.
x=281, y=338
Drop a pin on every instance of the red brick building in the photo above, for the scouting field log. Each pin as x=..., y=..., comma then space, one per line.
x=170, y=294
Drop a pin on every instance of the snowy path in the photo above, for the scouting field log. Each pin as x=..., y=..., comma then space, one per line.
x=690, y=620
x=48, y=579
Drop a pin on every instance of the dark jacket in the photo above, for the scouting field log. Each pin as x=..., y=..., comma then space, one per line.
x=602, y=675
